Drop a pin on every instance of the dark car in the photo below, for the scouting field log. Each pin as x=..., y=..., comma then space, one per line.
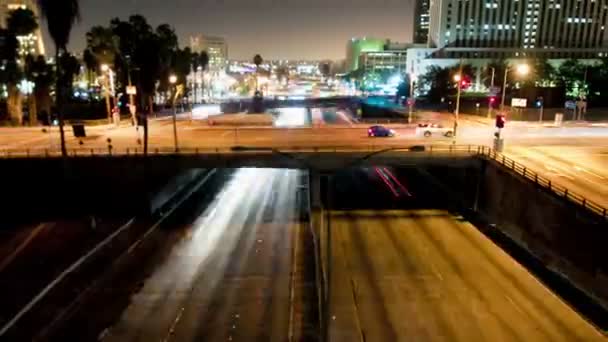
x=380, y=131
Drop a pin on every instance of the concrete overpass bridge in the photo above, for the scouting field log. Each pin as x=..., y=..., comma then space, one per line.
x=321, y=159
x=241, y=105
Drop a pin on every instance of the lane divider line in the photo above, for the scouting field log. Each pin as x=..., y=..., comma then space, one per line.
x=85, y=257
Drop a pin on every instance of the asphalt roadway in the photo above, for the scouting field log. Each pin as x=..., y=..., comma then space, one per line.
x=574, y=156
x=233, y=276
x=404, y=269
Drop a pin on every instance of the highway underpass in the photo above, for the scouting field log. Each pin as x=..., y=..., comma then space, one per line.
x=395, y=259
x=403, y=266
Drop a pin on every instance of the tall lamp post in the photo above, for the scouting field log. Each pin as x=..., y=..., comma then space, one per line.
x=457, y=79
x=173, y=81
x=492, y=94
x=522, y=69
x=109, y=87
x=411, y=98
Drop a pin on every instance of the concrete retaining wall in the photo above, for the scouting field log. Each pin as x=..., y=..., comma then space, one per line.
x=567, y=239
x=54, y=188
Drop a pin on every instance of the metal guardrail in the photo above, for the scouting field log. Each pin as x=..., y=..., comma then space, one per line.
x=559, y=190
x=479, y=150
x=116, y=152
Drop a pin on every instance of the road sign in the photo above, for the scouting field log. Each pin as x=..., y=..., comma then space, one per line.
x=494, y=91
x=131, y=90
x=518, y=102
x=570, y=105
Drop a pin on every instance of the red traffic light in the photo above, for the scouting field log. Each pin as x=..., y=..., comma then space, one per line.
x=500, y=121
x=492, y=99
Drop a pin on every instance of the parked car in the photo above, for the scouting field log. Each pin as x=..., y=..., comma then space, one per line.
x=429, y=129
x=380, y=131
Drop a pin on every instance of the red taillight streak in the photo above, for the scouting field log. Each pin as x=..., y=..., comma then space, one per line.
x=388, y=184
x=403, y=188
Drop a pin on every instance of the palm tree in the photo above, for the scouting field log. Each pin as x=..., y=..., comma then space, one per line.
x=257, y=60
x=20, y=22
x=90, y=62
x=194, y=64
x=60, y=15
x=103, y=44
x=38, y=70
x=203, y=63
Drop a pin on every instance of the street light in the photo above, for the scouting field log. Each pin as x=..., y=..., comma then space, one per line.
x=173, y=81
x=521, y=69
x=105, y=69
x=413, y=78
x=457, y=79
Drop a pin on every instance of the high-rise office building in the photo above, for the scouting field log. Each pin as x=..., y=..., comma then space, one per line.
x=30, y=44
x=421, y=22
x=216, y=48
x=511, y=28
x=357, y=46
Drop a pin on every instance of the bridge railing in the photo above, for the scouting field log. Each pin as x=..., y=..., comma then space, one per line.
x=544, y=182
x=478, y=150
x=192, y=151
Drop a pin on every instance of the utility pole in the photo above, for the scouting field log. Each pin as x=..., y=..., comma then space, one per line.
x=411, y=99
x=504, y=88
x=457, y=111
x=492, y=88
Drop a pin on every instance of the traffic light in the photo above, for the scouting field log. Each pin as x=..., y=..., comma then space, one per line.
x=492, y=100
x=464, y=84
x=500, y=121
x=539, y=102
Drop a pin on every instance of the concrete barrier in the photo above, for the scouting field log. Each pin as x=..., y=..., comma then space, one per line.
x=568, y=239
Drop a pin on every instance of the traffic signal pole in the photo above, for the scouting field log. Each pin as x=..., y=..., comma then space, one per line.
x=457, y=111
x=492, y=87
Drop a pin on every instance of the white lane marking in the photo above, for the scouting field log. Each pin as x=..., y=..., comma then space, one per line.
x=436, y=271
x=580, y=168
x=515, y=305
x=174, y=325
x=59, y=278
x=294, y=268
x=557, y=172
x=22, y=246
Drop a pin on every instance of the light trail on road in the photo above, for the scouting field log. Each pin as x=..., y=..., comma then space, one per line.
x=229, y=278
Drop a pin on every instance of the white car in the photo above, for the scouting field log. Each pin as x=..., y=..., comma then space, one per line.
x=429, y=129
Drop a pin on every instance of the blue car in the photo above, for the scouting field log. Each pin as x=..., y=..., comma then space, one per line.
x=380, y=131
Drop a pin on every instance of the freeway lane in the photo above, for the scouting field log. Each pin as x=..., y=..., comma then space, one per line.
x=405, y=269
x=583, y=170
x=197, y=134
x=229, y=279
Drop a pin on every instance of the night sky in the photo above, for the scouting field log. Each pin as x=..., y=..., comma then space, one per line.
x=277, y=29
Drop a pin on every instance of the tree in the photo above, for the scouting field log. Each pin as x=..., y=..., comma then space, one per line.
x=325, y=69
x=102, y=44
x=257, y=60
x=542, y=73
x=440, y=81
x=69, y=66
x=204, y=64
x=21, y=22
x=571, y=75
x=90, y=62
x=41, y=73
x=60, y=15
x=167, y=49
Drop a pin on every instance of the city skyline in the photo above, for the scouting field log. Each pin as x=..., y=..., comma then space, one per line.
x=289, y=30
